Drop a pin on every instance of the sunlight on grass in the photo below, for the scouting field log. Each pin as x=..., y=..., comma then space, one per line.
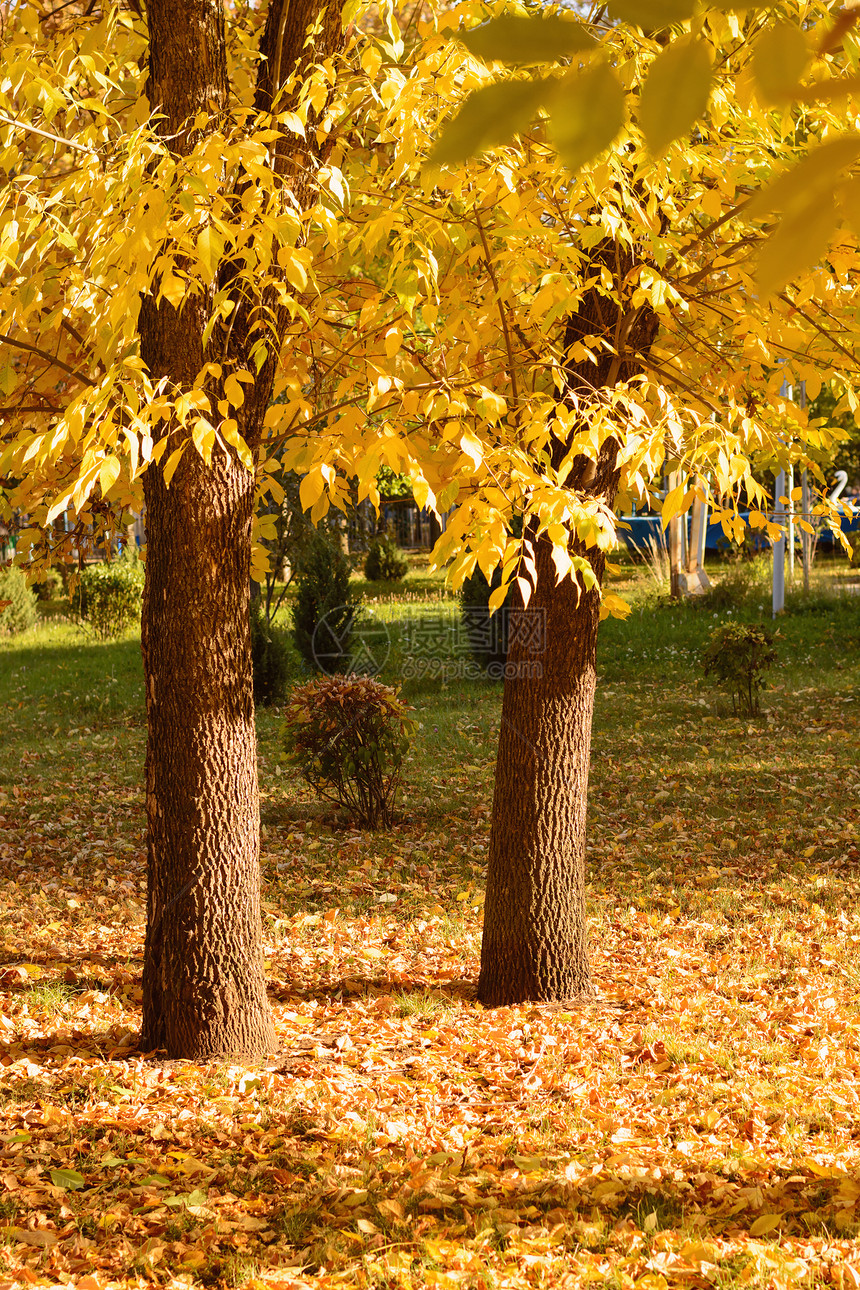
x=695, y=1122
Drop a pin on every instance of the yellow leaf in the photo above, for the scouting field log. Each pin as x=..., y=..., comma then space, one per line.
x=612, y=606
x=652, y=15
x=210, y=246
x=472, y=447
x=520, y=39
x=294, y=270
x=816, y=172
x=293, y=122
x=393, y=341
x=172, y=462
x=490, y=116
x=799, y=241
x=587, y=113
x=173, y=289
x=203, y=437
x=779, y=60
x=765, y=1223
x=423, y=493
x=562, y=561
x=230, y=434
x=675, y=93
x=109, y=473
x=497, y=597
x=234, y=392
x=311, y=488
x=673, y=503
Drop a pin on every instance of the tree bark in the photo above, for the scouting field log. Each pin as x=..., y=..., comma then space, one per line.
x=534, y=939
x=534, y=914
x=204, y=993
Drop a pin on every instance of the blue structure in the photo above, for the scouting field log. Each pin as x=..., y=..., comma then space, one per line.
x=639, y=528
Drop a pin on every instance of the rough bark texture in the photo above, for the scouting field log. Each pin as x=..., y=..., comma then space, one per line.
x=203, y=985
x=204, y=990
x=534, y=926
x=534, y=940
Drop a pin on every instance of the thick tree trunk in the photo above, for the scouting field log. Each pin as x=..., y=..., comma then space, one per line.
x=534, y=916
x=204, y=994
x=534, y=944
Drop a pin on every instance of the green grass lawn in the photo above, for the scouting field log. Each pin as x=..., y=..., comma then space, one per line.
x=695, y=1124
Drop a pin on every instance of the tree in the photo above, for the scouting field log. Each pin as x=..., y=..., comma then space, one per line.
x=191, y=366
x=533, y=945
x=591, y=326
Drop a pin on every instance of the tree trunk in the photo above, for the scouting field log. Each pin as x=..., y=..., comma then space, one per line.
x=204, y=994
x=534, y=915
x=534, y=942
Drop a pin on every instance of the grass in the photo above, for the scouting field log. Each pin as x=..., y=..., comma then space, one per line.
x=404, y=1137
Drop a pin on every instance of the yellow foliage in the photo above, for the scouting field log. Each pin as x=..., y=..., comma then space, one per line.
x=429, y=306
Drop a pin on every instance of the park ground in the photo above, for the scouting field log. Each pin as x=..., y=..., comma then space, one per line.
x=695, y=1124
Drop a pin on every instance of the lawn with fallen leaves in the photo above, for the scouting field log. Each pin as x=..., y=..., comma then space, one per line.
x=695, y=1124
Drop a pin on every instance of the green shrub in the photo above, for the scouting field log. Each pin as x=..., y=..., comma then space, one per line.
x=348, y=735
x=486, y=633
x=325, y=607
x=108, y=596
x=385, y=561
x=19, y=614
x=271, y=656
x=736, y=583
x=737, y=655
x=49, y=586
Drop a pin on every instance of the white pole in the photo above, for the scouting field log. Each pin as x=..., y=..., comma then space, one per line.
x=791, y=525
x=779, y=547
x=787, y=391
x=805, y=538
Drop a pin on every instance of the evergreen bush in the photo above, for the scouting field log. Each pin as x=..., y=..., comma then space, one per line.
x=18, y=614
x=348, y=735
x=109, y=595
x=324, y=613
x=385, y=561
x=271, y=656
x=486, y=633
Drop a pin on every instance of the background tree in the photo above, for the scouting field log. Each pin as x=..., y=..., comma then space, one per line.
x=591, y=328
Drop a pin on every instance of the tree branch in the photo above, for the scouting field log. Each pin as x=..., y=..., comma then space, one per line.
x=49, y=358
x=512, y=370
x=56, y=138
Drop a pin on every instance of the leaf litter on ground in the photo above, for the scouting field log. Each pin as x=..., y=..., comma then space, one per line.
x=695, y=1123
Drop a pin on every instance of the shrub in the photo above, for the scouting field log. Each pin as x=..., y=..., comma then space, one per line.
x=347, y=735
x=737, y=656
x=385, y=561
x=486, y=633
x=19, y=614
x=325, y=607
x=50, y=585
x=108, y=596
x=271, y=656
x=737, y=583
